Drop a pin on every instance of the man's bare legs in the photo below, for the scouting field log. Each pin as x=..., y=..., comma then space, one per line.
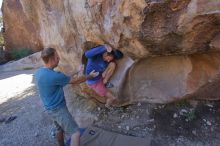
x=75, y=139
x=60, y=138
x=108, y=72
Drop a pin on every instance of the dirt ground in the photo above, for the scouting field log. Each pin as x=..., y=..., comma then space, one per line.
x=186, y=123
x=18, y=97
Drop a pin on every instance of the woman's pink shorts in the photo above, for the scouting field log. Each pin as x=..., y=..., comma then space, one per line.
x=99, y=88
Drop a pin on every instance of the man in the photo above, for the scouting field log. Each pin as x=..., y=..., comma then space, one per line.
x=101, y=59
x=50, y=84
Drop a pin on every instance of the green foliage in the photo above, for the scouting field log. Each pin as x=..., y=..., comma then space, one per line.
x=1, y=39
x=190, y=116
x=1, y=35
x=28, y=68
x=182, y=103
x=1, y=19
x=20, y=53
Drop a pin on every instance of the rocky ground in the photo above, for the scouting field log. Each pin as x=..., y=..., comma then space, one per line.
x=186, y=123
x=191, y=123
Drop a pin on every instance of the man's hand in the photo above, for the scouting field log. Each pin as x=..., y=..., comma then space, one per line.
x=93, y=74
x=108, y=48
x=78, y=80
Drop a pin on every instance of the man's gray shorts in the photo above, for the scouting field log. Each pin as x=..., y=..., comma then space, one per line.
x=63, y=120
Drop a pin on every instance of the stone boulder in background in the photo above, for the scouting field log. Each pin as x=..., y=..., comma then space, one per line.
x=30, y=62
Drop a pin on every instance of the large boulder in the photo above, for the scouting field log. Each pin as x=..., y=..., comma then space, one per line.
x=171, y=47
x=170, y=78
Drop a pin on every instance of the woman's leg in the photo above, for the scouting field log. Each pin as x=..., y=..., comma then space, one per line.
x=110, y=99
x=101, y=90
x=108, y=72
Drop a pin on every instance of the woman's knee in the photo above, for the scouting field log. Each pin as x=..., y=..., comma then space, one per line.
x=112, y=65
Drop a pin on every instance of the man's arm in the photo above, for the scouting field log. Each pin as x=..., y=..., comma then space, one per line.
x=95, y=51
x=78, y=80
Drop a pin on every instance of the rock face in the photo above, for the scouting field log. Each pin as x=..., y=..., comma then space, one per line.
x=171, y=47
x=21, y=28
x=169, y=78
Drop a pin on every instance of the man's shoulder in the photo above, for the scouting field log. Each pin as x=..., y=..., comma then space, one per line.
x=45, y=71
x=40, y=70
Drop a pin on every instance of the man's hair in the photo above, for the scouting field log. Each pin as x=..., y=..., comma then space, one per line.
x=47, y=53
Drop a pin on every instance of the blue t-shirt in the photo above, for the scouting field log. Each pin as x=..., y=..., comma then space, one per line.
x=50, y=84
x=95, y=62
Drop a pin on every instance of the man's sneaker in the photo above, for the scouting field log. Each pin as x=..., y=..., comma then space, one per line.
x=9, y=119
x=109, y=85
